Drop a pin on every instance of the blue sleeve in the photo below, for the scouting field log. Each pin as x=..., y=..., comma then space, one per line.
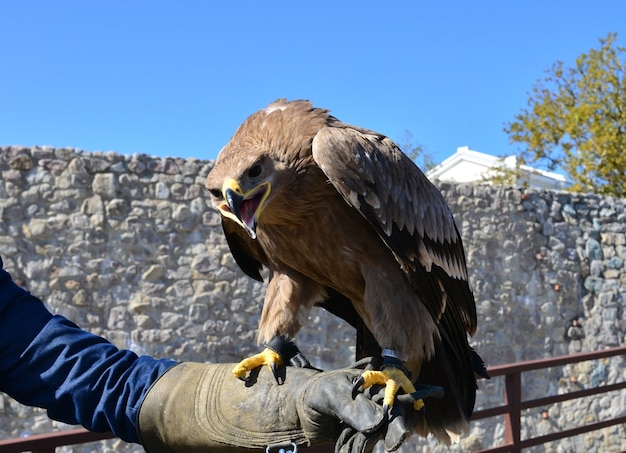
x=79, y=378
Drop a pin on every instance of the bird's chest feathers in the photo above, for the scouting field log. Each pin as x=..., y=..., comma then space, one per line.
x=298, y=221
x=294, y=244
x=310, y=241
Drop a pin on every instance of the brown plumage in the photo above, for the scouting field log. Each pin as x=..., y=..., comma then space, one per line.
x=343, y=219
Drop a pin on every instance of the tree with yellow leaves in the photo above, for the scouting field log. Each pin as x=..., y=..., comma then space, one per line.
x=576, y=121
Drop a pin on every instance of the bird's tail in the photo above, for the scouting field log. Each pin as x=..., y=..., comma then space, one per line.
x=454, y=367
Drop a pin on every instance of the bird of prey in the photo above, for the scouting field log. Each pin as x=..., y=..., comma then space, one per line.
x=343, y=219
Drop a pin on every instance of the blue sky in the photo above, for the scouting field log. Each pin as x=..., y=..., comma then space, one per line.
x=177, y=78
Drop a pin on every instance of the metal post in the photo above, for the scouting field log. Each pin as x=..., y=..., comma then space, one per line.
x=512, y=419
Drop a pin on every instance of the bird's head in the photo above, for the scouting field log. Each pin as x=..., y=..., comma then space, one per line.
x=262, y=161
x=242, y=194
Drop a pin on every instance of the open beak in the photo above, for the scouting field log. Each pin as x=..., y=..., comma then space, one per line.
x=244, y=207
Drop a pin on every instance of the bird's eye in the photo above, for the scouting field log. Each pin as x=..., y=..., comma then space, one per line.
x=217, y=193
x=255, y=171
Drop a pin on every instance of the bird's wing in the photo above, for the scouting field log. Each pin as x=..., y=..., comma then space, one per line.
x=244, y=250
x=406, y=209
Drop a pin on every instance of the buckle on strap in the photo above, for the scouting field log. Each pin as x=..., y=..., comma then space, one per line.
x=283, y=447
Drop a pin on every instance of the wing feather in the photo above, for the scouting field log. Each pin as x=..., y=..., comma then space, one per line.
x=406, y=209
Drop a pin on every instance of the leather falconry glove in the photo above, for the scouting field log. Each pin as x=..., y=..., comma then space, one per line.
x=201, y=407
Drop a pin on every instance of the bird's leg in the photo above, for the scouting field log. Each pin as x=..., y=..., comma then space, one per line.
x=396, y=377
x=278, y=352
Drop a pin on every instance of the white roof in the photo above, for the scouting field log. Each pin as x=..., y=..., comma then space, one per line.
x=467, y=165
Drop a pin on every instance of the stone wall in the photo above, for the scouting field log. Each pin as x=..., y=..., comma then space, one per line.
x=129, y=248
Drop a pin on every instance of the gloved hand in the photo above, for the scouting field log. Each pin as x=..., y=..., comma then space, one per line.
x=202, y=407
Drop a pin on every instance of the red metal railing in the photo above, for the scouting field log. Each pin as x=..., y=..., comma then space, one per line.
x=511, y=409
x=514, y=404
x=47, y=443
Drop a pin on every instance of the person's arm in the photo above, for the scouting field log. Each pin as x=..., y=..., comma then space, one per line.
x=79, y=378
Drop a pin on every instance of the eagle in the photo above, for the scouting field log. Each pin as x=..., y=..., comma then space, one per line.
x=343, y=219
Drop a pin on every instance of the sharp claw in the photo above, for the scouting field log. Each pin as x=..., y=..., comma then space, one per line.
x=274, y=369
x=357, y=386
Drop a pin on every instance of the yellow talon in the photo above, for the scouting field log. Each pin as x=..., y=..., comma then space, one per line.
x=394, y=380
x=267, y=357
